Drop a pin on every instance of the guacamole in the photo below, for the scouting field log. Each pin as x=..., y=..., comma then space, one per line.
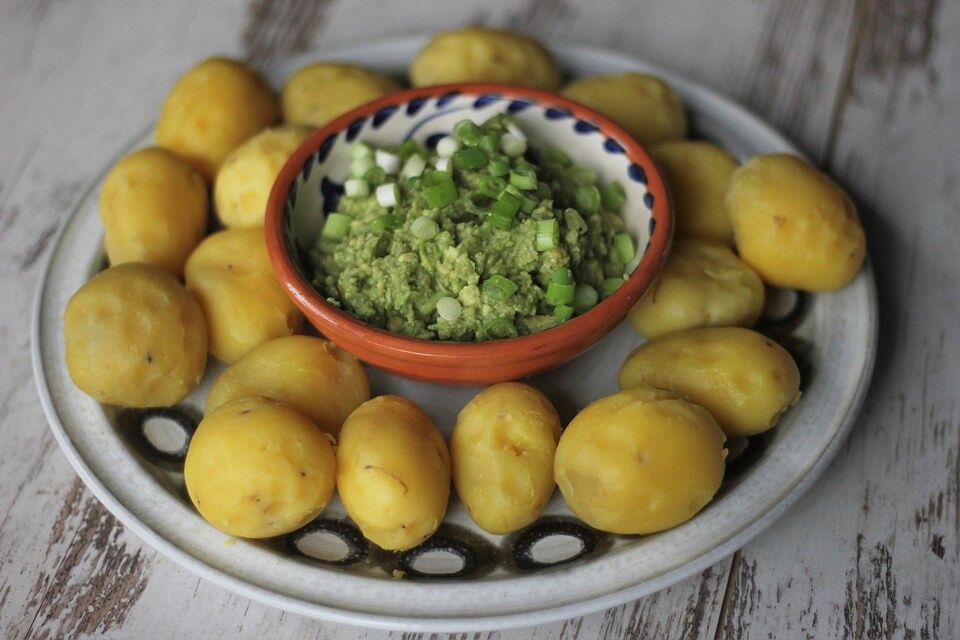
x=483, y=238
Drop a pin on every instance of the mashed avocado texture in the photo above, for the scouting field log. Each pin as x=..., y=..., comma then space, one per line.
x=483, y=238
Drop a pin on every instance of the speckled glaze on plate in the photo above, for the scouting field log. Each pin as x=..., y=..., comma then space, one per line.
x=556, y=568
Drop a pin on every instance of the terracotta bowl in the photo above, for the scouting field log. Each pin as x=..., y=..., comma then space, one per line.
x=310, y=183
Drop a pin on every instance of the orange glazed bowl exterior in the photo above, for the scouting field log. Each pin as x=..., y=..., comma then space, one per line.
x=309, y=185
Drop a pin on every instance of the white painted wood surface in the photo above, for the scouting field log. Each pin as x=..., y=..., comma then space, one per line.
x=870, y=88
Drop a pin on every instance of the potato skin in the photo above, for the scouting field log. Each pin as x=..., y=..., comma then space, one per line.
x=698, y=174
x=246, y=177
x=257, y=468
x=646, y=106
x=502, y=453
x=703, y=284
x=135, y=337
x=211, y=109
x=794, y=225
x=153, y=207
x=244, y=303
x=393, y=472
x=743, y=378
x=318, y=93
x=314, y=376
x=478, y=54
x=640, y=461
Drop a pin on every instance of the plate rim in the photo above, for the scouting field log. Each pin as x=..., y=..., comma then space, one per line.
x=456, y=623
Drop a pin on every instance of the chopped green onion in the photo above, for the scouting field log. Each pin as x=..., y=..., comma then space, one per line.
x=388, y=195
x=513, y=190
x=523, y=180
x=623, y=247
x=470, y=158
x=389, y=162
x=490, y=143
x=426, y=306
x=500, y=222
x=563, y=312
x=512, y=145
x=608, y=286
x=361, y=150
x=585, y=297
x=360, y=166
x=356, y=188
x=467, y=132
x=588, y=198
x=492, y=186
x=514, y=130
x=375, y=175
x=614, y=197
x=582, y=176
x=443, y=164
x=336, y=227
x=498, y=167
x=413, y=183
x=498, y=288
x=574, y=221
x=548, y=234
x=413, y=167
x=543, y=191
x=561, y=275
x=560, y=293
x=386, y=221
x=424, y=228
x=440, y=191
x=556, y=155
x=449, y=308
x=409, y=148
x=446, y=146
x=527, y=204
x=505, y=208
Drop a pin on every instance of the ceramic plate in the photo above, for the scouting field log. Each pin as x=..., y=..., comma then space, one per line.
x=464, y=579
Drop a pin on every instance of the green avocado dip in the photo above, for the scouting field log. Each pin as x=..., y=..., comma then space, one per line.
x=484, y=238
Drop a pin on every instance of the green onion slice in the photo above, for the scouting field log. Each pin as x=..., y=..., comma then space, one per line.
x=498, y=288
x=424, y=228
x=336, y=227
x=585, y=297
x=548, y=234
x=623, y=247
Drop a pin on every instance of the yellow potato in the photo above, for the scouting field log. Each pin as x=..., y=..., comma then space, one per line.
x=314, y=376
x=646, y=106
x=640, y=461
x=211, y=109
x=393, y=472
x=703, y=284
x=135, y=337
x=246, y=177
x=743, y=378
x=502, y=453
x=794, y=225
x=243, y=301
x=477, y=54
x=318, y=93
x=153, y=207
x=698, y=174
x=257, y=468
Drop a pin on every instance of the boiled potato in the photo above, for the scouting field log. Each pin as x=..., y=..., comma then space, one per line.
x=246, y=177
x=135, y=337
x=257, y=468
x=153, y=207
x=703, y=284
x=243, y=301
x=646, y=106
x=393, y=472
x=211, y=109
x=502, y=453
x=640, y=461
x=314, y=376
x=743, y=378
x=478, y=54
x=794, y=225
x=698, y=174
x=318, y=93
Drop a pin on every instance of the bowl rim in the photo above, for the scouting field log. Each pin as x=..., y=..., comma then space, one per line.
x=315, y=305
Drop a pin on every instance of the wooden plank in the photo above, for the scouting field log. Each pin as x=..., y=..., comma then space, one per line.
x=875, y=547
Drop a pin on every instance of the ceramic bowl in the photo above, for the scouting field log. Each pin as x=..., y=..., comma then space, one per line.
x=311, y=182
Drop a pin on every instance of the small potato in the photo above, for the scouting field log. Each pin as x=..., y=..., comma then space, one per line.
x=314, y=376
x=743, y=378
x=153, y=207
x=703, y=284
x=318, y=93
x=247, y=175
x=135, y=337
x=698, y=174
x=646, y=106
x=243, y=301
x=211, y=109
x=794, y=225
x=502, y=452
x=478, y=54
x=640, y=461
x=393, y=472
x=257, y=468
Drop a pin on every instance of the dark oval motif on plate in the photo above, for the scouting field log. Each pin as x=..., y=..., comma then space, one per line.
x=415, y=105
x=433, y=139
x=613, y=146
x=557, y=113
x=486, y=99
x=322, y=153
x=516, y=106
x=436, y=545
x=165, y=432
x=582, y=126
x=331, y=192
x=383, y=115
x=447, y=97
x=522, y=544
x=636, y=173
x=355, y=545
x=648, y=200
x=353, y=130
x=308, y=165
